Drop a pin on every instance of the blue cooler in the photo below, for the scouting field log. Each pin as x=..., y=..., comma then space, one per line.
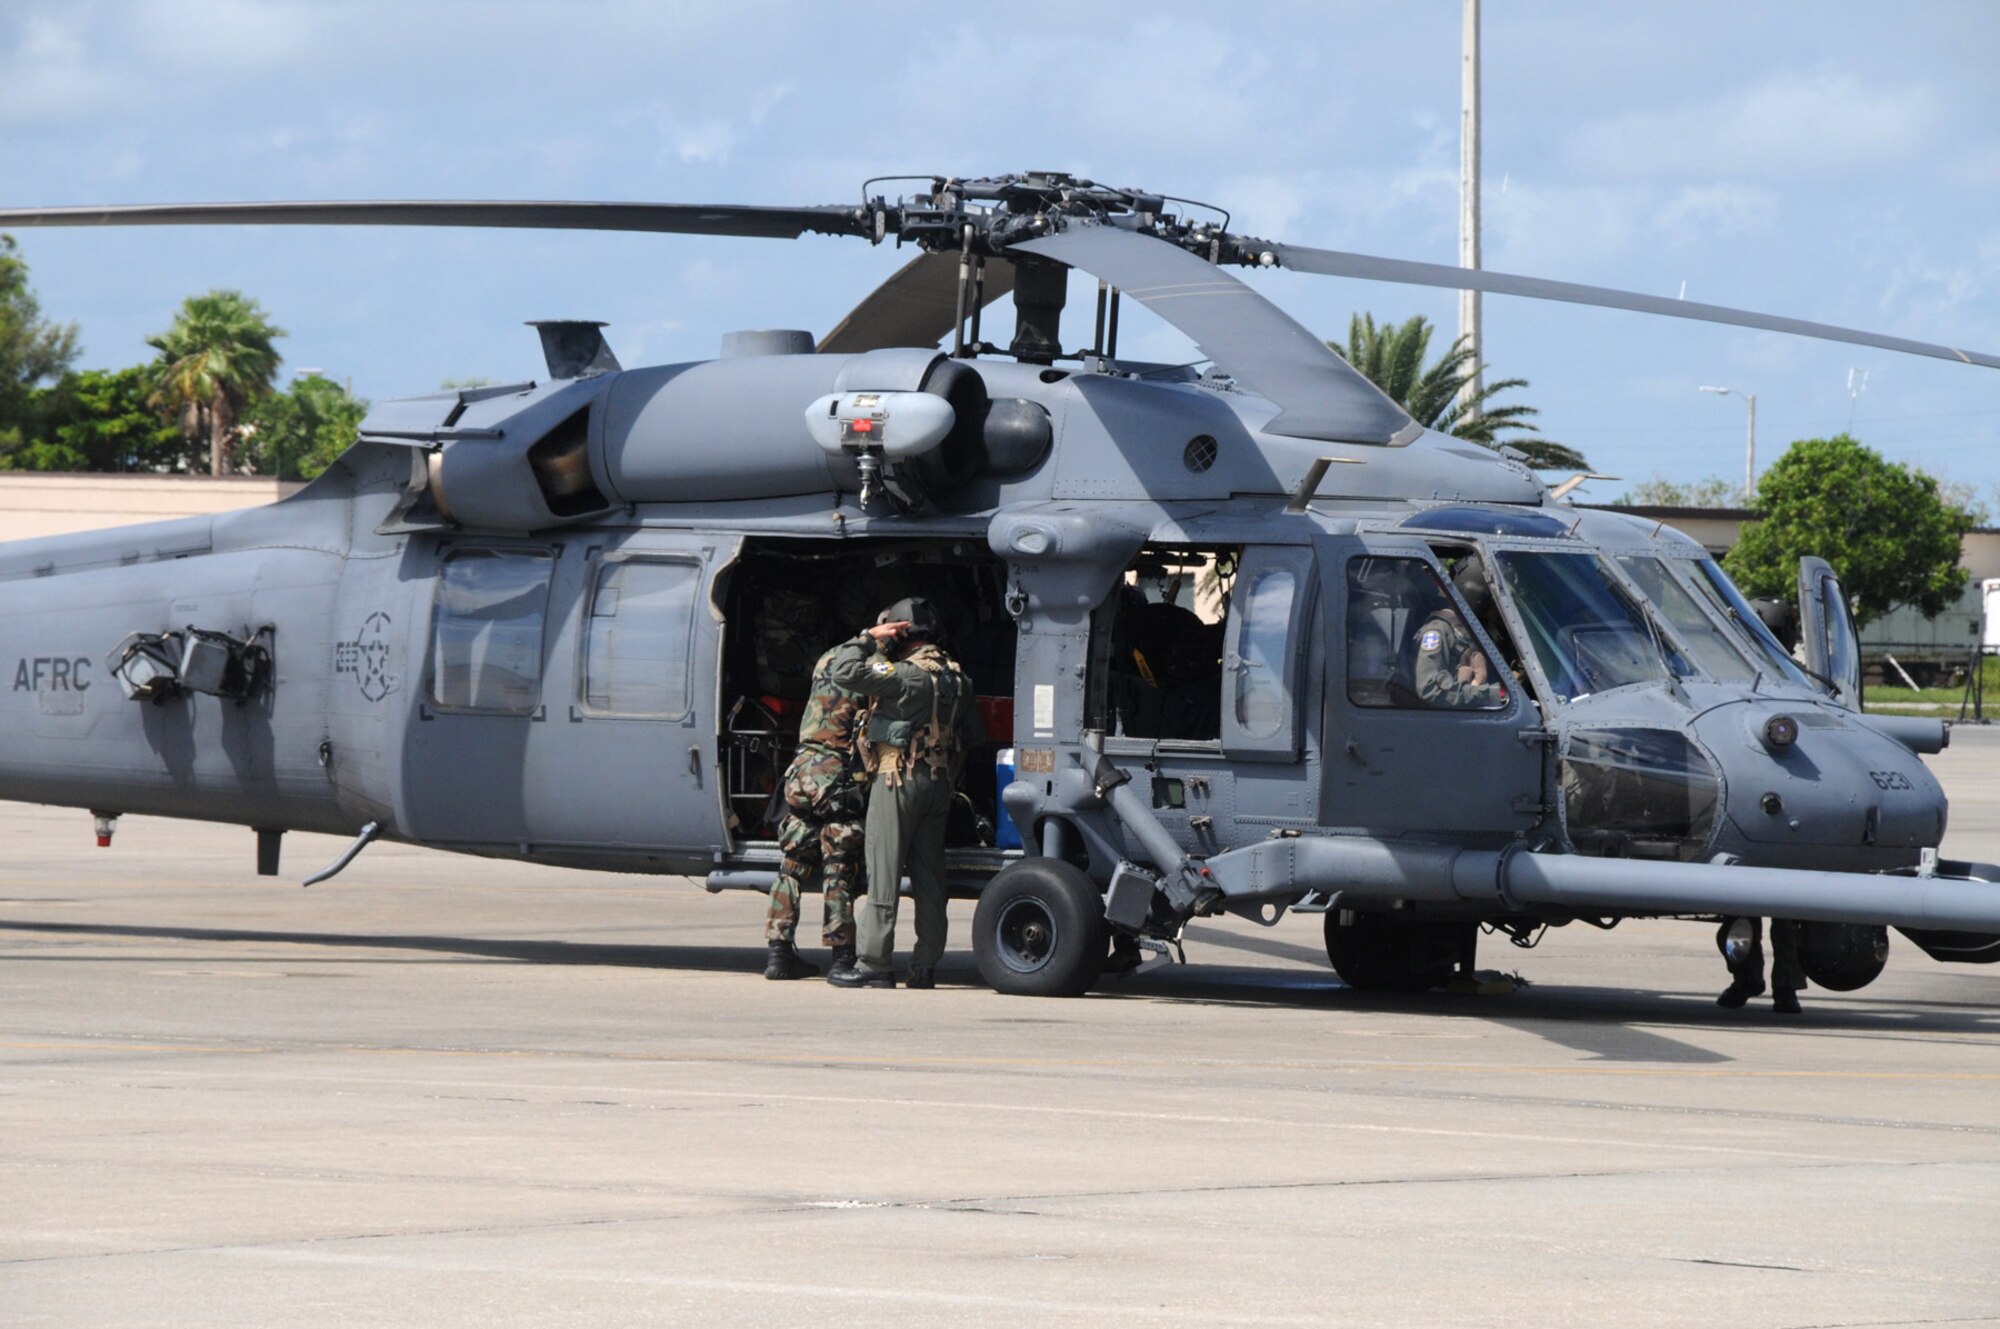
x=1005, y=834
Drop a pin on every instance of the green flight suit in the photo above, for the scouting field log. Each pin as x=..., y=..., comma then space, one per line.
x=1442, y=644
x=909, y=801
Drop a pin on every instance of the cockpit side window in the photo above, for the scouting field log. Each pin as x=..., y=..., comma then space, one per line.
x=1705, y=641
x=1585, y=630
x=1408, y=645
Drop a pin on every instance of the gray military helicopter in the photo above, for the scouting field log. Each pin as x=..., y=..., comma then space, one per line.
x=570, y=621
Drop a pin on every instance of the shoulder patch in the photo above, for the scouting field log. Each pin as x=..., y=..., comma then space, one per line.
x=1431, y=640
x=882, y=667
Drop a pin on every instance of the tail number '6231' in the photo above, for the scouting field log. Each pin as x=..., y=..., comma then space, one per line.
x=1889, y=779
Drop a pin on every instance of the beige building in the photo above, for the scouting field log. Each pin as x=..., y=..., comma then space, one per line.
x=36, y=503
x=1901, y=645
x=1715, y=530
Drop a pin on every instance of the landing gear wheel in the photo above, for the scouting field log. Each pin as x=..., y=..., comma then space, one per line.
x=1374, y=953
x=1039, y=930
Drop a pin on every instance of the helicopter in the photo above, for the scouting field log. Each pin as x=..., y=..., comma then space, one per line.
x=571, y=621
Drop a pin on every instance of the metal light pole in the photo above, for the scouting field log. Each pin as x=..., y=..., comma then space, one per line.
x=1750, y=449
x=1468, y=201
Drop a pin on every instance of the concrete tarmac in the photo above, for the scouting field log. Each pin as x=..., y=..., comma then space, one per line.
x=439, y=1091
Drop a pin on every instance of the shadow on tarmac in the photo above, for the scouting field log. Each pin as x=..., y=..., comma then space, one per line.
x=1596, y=1020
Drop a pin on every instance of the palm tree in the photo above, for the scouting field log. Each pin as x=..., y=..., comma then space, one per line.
x=215, y=360
x=1392, y=358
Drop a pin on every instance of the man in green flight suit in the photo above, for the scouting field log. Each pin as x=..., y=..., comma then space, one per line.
x=821, y=830
x=923, y=721
x=1450, y=669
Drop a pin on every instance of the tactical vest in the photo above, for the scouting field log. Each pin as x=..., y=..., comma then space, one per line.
x=894, y=746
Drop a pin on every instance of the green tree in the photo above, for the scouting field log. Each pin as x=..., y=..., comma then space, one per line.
x=1660, y=492
x=1885, y=528
x=297, y=434
x=101, y=420
x=1392, y=358
x=215, y=360
x=32, y=349
x=1965, y=497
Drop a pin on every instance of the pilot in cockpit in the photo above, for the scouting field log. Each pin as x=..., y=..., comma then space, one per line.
x=1450, y=669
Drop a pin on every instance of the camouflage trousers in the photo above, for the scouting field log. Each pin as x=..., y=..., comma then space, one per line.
x=830, y=850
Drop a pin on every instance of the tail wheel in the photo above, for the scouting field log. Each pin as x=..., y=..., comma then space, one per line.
x=1375, y=953
x=1039, y=930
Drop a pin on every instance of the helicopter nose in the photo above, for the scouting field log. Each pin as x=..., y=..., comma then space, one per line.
x=1808, y=786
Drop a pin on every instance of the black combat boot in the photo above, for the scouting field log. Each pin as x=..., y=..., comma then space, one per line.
x=786, y=962
x=1785, y=1001
x=921, y=976
x=1740, y=990
x=861, y=974
x=843, y=960
x=1126, y=954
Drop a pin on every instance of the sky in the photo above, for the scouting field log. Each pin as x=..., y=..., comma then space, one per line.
x=1825, y=160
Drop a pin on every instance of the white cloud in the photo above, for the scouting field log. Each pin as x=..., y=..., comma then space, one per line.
x=1702, y=213
x=217, y=40
x=1793, y=124
x=60, y=65
x=710, y=139
x=47, y=74
x=1558, y=230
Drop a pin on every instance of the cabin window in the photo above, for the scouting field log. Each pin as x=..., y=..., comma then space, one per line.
x=487, y=652
x=1406, y=641
x=635, y=654
x=1264, y=650
x=1262, y=700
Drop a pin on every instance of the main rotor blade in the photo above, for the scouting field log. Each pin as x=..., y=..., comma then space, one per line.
x=915, y=307
x=1319, y=395
x=561, y=215
x=1337, y=263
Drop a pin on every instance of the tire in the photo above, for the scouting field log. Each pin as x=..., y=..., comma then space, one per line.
x=1843, y=957
x=1039, y=930
x=1374, y=953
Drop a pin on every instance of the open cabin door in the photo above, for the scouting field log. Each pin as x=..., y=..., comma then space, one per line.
x=569, y=706
x=1826, y=631
x=1203, y=657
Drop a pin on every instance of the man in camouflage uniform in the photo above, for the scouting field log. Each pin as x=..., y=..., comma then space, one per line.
x=821, y=831
x=1450, y=670
x=922, y=721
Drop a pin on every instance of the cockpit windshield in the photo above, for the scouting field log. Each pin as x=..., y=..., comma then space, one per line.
x=1722, y=592
x=1705, y=641
x=1586, y=631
